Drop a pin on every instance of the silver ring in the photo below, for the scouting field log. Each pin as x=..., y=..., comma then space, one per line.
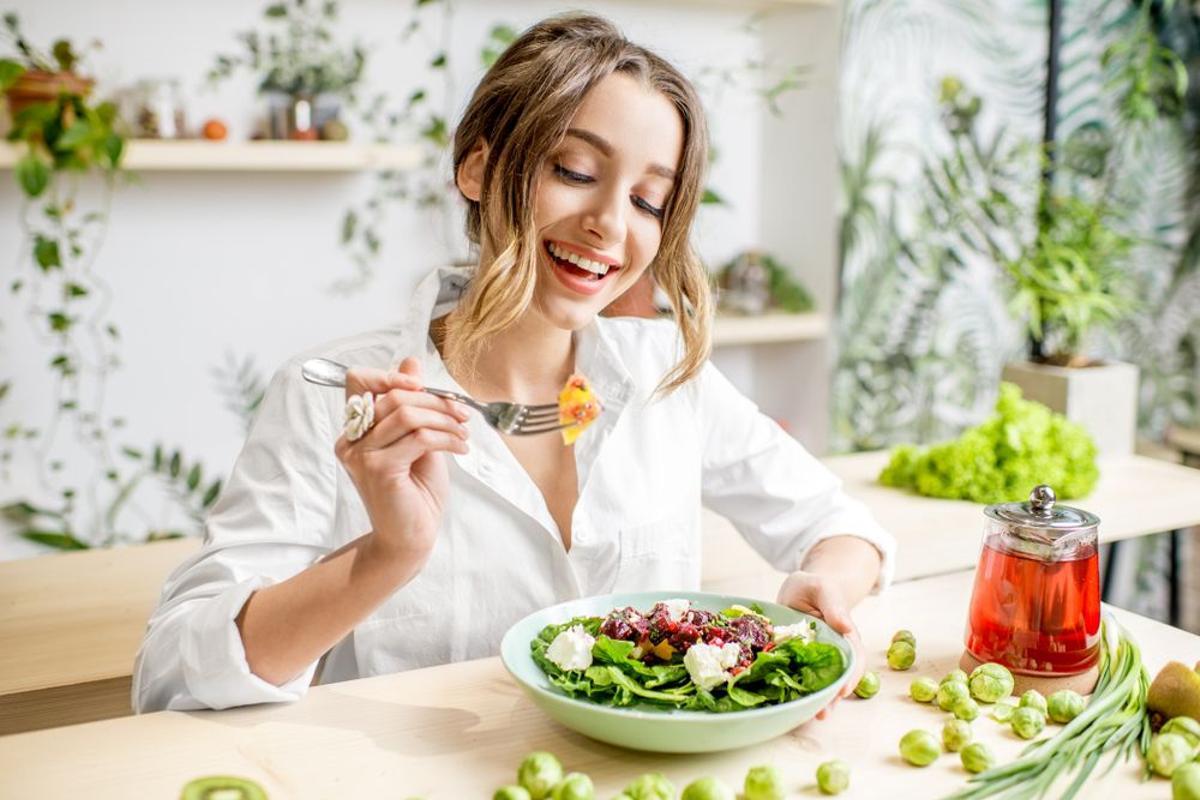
x=359, y=416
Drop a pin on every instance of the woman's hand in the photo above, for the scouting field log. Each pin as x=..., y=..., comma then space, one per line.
x=821, y=596
x=398, y=466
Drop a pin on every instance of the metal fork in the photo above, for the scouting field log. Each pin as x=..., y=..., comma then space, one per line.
x=513, y=419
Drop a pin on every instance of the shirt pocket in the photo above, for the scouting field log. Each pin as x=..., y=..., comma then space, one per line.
x=663, y=554
x=402, y=641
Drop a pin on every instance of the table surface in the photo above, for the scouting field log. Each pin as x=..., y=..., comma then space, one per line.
x=80, y=616
x=458, y=731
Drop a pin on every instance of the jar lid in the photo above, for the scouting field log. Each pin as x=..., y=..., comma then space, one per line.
x=1041, y=516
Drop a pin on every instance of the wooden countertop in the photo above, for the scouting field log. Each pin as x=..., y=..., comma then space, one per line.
x=459, y=731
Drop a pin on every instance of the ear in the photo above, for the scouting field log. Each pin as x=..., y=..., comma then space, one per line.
x=470, y=172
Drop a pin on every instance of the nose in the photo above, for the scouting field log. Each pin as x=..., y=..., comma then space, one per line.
x=605, y=216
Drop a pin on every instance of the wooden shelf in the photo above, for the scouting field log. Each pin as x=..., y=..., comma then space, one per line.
x=732, y=330
x=197, y=155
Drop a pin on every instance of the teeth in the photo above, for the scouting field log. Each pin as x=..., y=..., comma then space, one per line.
x=578, y=260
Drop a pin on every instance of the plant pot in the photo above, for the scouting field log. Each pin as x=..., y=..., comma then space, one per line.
x=299, y=117
x=1102, y=398
x=38, y=86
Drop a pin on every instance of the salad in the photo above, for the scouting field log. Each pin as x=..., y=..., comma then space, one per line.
x=678, y=656
x=578, y=407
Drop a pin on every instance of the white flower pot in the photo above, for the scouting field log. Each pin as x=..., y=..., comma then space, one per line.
x=1101, y=398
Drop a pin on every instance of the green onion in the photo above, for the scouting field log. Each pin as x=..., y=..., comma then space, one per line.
x=1115, y=721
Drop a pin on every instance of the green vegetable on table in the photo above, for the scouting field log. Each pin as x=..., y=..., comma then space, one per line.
x=868, y=686
x=1186, y=727
x=1115, y=722
x=1064, y=706
x=707, y=789
x=923, y=690
x=763, y=783
x=1023, y=444
x=950, y=693
x=956, y=734
x=1185, y=782
x=965, y=709
x=225, y=786
x=919, y=748
x=976, y=757
x=1028, y=722
x=955, y=676
x=539, y=773
x=1034, y=699
x=574, y=786
x=833, y=777
x=1003, y=710
x=511, y=793
x=651, y=786
x=901, y=655
x=1167, y=752
x=903, y=635
x=990, y=682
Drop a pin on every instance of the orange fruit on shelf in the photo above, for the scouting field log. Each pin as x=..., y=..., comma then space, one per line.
x=214, y=130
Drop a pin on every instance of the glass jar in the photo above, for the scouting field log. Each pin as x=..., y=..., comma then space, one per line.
x=1035, y=606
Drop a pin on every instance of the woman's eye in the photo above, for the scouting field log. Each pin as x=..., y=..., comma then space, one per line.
x=571, y=176
x=654, y=211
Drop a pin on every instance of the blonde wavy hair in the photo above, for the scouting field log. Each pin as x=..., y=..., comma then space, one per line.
x=522, y=109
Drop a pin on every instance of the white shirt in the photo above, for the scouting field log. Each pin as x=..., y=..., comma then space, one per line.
x=645, y=467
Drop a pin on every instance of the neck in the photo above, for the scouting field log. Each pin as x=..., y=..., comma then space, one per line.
x=527, y=363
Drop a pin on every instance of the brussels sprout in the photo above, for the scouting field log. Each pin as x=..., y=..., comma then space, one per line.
x=1185, y=782
x=989, y=682
x=1034, y=699
x=707, y=789
x=919, y=748
x=976, y=757
x=574, y=786
x=511, y=793
x=956, y=734
x=1064, y=706
x=1186, y=727
x=762, y=783
x=905, y=636
x=1167, y=752
x=923, y=690
x=1028, y=722
x=833, y=777
x=950, y=693
x=651, y=786
x=1004, y=708
x=901, y=655
x=539, y=773
x=868, y=686
x=955, y=675
x=965, y=708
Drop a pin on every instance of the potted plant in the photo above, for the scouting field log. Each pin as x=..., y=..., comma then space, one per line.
x=303, y=72
x=1068, y=283
x=38, y=77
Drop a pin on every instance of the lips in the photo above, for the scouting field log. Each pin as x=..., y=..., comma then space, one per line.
x=575, y=278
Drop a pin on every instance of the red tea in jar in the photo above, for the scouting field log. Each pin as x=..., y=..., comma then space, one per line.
x=1035, y=606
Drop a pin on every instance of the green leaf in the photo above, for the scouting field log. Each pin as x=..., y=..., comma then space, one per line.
x=276, y=11
x=73, y=289
x=193, y=478
x=59, y=322
x=32, y=174
x=79, y=133
x=157, y=462
x=4, y=387
x=9, y=72
x=57, y=539
x=439, y=61
x=176, y=464
x=211, y=494
x=113, y=147
x=64, y=54
x=45, y=252
x=712, y=198
x=133, y=452
x=349, y=224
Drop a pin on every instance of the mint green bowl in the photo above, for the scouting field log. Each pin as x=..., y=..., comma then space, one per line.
x=649, y=727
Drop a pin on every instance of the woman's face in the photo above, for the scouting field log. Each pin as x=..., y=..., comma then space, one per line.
x=600, y=198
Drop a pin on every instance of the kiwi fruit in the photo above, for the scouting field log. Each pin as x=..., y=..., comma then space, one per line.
x=1175, y=692
x=222, y=787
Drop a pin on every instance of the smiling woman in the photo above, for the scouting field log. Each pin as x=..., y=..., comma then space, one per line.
x=423, y=538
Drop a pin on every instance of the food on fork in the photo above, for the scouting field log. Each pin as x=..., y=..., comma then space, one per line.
x=578, y=407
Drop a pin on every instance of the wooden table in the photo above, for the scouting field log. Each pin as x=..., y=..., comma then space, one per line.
x=1135, y=496
x=459, y=731
x=70, y=625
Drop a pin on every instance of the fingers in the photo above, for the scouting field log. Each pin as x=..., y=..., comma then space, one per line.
x=386, y=404
x=380, y=381
x=407, y=419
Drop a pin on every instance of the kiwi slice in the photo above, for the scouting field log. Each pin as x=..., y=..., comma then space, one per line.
x=1175, y=692
x=222, y=787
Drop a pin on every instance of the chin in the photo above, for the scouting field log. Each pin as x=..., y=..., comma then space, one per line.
x=568, y=315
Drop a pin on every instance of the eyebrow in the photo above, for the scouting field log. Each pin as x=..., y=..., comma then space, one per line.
x=602, y=144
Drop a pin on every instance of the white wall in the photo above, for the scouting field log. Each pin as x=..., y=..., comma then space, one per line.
x=202, y=265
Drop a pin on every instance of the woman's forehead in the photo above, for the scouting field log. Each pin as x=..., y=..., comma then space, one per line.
x=626, y=119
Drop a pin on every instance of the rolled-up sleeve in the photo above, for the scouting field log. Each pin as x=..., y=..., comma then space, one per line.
x=273, y=519
x=780, y=498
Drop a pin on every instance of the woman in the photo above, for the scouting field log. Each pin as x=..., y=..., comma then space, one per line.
x=580, y=159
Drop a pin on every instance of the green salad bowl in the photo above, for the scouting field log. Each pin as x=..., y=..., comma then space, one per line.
x=652, y=728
